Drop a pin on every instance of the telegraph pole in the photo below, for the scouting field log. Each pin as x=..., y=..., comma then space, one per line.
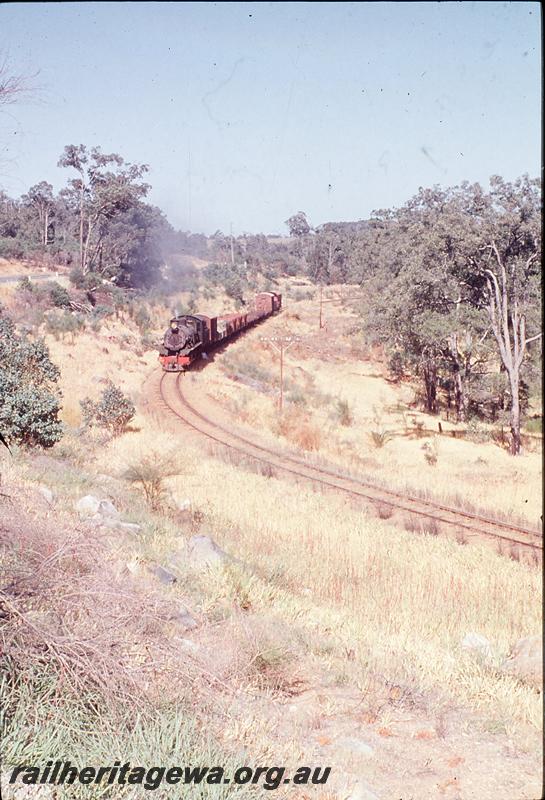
x=321, y=304
x=232, y=248
x=280, y=344
x=189, y=186
x=322, y=301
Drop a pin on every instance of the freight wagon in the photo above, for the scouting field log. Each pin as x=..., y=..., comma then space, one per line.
x=191, y=335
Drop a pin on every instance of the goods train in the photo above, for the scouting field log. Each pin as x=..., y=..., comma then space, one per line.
x=191, y=335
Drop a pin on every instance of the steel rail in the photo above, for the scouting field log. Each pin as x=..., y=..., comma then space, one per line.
x=354, y=487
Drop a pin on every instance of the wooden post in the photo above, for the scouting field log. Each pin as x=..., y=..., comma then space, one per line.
x=281, y=377
x=280, y=344
x=321, y=304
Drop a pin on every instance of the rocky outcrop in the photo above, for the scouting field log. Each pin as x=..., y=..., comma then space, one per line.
x=163, y=574
x=477, y=644
x=199, y=553
x=361, y=791
x=91, y=506
x=47, y=494
x=202, y=551
x=103, y=512
x=525, y=661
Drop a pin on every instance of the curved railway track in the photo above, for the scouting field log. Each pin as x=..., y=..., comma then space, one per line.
x=512, y=539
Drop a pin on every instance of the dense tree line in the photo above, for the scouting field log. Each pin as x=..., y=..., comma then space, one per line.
x=452, y=284
x=451, y=279
x=99, y=223
x=101, y=226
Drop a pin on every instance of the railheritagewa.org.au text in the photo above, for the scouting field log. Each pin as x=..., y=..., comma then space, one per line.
x=61, y=773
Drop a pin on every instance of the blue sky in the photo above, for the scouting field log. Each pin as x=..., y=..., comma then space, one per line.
x=249, y=112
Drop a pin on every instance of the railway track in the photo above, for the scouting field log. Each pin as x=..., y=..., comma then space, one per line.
x=510, y=539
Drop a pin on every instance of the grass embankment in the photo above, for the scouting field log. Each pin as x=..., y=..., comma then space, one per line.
x=333, y=623
x=402, y=602
x=339, y=406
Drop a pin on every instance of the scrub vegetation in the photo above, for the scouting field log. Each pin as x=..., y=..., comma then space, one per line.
x=320, y=633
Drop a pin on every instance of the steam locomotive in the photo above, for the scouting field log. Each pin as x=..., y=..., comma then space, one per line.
x=191, y=335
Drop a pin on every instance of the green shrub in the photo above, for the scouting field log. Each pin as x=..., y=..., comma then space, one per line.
x=534, y=425
x=149, y=341
x=29, y=398
x=150, y=473
x=379, y=438
x=142, y=319
x=344, y=412
x=303, y=294
x=396, y=366
x=81, y=281
x=476, y=432
x=99, y=314
x=113, y=411
x=430, y=452
x=61, y=323
x=11, y=248
x=25, y=285
x=297, y=396
x=59, y=295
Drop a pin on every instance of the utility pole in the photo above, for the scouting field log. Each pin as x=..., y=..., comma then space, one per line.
x=322, y=301
x=232, y=248
x=321, y=304
x=280, y=344
x=189, y=187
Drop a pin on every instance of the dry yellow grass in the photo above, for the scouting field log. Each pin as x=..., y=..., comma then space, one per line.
x=401, y=601
x=91, y=361
x=381, y=610
x=480, y=474
x=13, y=267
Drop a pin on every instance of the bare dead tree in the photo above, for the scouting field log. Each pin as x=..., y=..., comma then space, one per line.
x=508, y=322
x=12, y=86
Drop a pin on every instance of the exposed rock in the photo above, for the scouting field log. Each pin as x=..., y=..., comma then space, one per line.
x=177, y=561
x=187, y=644
x=185, y=620
x=525, y=661
x=361, y=791
x=109, y=522
x=476, y=643
x=202, y=551
x=356, y=746
x=163, y=574
x=87, y=506
x=47, y=494
x=130, y=527
x=107, y=509
x=91, y=506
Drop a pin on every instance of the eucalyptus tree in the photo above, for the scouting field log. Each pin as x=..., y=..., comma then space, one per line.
x=298, y=224
x=456, y=286
x=131, y=247
x=40, y=199
x=503, y=253
x=326, y=257
x=105, y=186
